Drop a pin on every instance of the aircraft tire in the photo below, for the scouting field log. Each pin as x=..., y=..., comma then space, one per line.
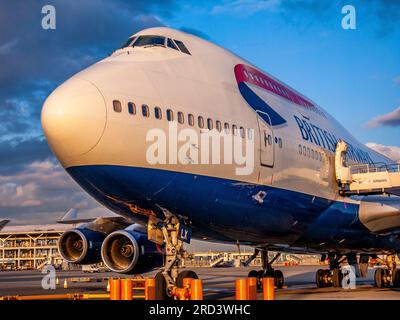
x=279, y=279
x=161, y=287
x=255, y=274
x=337, y=278
x=319, y=278
x=185, y=274
x=380, y=278
x=396, y=278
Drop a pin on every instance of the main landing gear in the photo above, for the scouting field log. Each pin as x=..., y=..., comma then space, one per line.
x=267, y=270
x=389, y=274
x=333, y=276
x=169, y=232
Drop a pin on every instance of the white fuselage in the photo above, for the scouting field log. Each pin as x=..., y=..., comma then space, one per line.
x=202, y=84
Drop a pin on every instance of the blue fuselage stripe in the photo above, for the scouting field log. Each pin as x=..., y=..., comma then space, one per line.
x=228, y=210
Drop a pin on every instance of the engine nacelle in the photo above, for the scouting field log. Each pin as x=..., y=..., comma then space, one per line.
x=81, y=245
x=129, y=251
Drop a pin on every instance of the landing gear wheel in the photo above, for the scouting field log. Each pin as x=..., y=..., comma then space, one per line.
x=255, y=274
x=266, y=274
x=319, y=278
x=168, y=230
x=185, y=274
x=381, y=278
x=337, y=278
x=396, y=278
x=279, y=279
x=161, y=287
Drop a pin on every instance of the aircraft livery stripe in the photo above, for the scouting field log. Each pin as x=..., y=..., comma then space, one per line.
x=268, y=114
x=244, y=73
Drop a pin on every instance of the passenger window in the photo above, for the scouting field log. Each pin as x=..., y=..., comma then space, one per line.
x=131, y=108
x=304, y=151
x=201, y=121
x=280, y=142
x=117, y=106
x=145, y=110
x=191, y=120
x=170, y=115
x=171, y=44
x=234, y=129
x=218, y=125
x=308, y=152
x=226, y=126
x=182, y=46
x=157, y=113
x=181, y=118
x=300, y=149
x=209, y=124
x=249, y=134
x=242, y=133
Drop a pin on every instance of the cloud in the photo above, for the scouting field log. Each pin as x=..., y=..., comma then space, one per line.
x=246, y=7
x=8, y=46
x=382, y=15
x=397, y=81
x=33, y=62
x=42, y=190
x=388, y=13
x=17, y=154
x=390, y=151
x=391, y=119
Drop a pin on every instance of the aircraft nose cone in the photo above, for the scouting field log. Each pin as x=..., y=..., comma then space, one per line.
x=74, y=118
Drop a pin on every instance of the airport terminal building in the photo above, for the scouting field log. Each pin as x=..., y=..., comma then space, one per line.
x=35, y=246
x=30, y=247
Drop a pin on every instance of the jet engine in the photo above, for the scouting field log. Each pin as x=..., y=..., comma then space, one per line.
x=129, y=251
x=81, y=245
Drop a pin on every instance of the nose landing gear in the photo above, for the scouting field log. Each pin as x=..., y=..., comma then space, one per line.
x=267, y=270
x=169, y=232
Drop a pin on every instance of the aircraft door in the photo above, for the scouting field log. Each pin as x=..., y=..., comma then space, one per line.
x=266, y=140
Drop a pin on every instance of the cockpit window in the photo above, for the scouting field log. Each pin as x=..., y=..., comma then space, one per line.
x=182, y=46
x=128, y=43
x=171, y=44
x=149, y=41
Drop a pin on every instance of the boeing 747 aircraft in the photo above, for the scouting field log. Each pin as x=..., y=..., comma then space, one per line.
x=132, y=131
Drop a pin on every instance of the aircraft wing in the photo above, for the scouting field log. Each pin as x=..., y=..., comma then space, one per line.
x=3, y=223
x=95, y=223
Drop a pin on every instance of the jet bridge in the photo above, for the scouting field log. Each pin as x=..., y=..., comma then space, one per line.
x=365, y=179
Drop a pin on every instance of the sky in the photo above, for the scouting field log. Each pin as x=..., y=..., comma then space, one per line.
x=353, y=74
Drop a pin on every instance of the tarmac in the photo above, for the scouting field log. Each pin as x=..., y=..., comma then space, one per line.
x=218, y=283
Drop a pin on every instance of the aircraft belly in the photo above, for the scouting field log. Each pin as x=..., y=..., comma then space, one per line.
x=219, y=209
